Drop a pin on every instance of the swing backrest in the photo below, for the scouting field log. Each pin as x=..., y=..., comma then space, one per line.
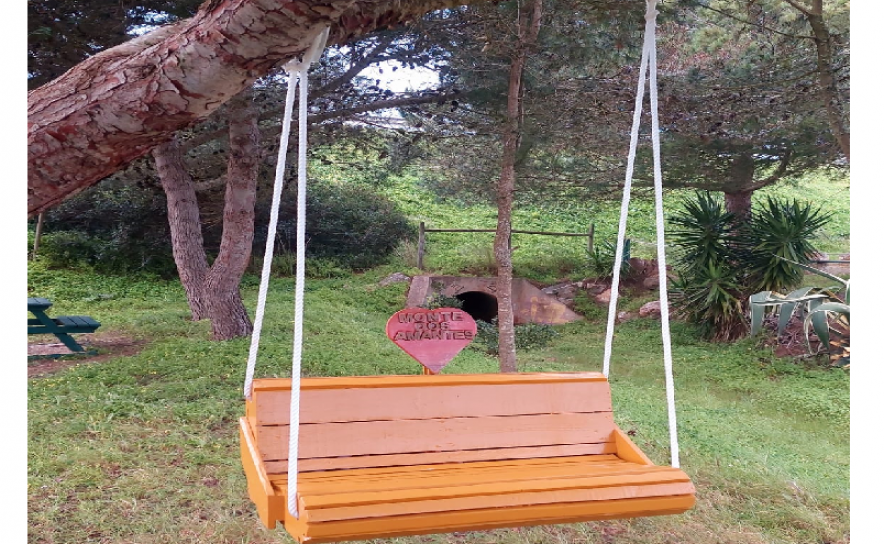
x=385, y=421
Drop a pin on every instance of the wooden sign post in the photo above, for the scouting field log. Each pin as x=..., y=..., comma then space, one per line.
x=432, y=337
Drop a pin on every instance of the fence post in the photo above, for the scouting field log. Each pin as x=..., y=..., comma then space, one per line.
x=37, y=235
x=590, y=238
x=421, y=242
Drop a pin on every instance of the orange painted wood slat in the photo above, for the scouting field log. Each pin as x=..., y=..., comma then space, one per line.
x=375, y=404
x=627, y=450
x=471, y=520
x=420, y=380
x=420, y=482
x=485, y=467
x=498, y=501
x=338, y=463
x=261, y=490
x=316, y=497
x=433, y=435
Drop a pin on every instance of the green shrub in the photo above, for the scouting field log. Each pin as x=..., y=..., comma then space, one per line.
x=528, y=336
x=779, y=238
x=124, y=228
x=349, y=225
x=602, y=260
x=438, y=300
x=823, y=311
x=110, y=229
x=708, y=290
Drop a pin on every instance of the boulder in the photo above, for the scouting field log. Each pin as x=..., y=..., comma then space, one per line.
x=651, y=309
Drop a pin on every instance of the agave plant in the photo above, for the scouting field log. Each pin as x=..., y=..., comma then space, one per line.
x=819, y=308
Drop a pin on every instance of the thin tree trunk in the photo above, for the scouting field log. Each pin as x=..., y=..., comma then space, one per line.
x=529, y=26
x=828, y=89
x=739, y=203
x=739, y=189
x=226, y=309
x=184, y=225
x=213, y=292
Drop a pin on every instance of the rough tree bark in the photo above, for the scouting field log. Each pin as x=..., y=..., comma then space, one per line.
x=118, y=105
x=529, y=26
x=184, y=224
x=742, y=184
x=213, y=292
x=822, y=39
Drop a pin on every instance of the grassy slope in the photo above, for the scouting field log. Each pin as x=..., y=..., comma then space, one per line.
x=543, y=257
x=144, y=448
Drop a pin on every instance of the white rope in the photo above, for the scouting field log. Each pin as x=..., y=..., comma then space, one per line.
x=624, y=206
x=649, y=57
x=271, y=238
x=301, y=69
x=661, y=248
x=297, y=71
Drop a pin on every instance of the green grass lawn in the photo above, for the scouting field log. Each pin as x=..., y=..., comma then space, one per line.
x=144, y=448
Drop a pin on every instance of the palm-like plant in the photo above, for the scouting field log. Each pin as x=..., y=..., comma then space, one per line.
x=722, y=260
x=711, y=299
x=707, y=291
x=703, y=231
x=780, y=238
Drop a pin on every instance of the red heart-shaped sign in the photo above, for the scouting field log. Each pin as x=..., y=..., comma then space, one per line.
x=432, y=337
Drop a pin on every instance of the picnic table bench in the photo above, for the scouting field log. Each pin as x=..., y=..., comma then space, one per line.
x=62, y=326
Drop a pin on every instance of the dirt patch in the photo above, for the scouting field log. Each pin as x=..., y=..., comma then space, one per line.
x=47, y=356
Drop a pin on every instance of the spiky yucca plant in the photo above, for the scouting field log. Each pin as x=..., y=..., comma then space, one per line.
x=780, y=238
x=707, y=291
x=721, y=261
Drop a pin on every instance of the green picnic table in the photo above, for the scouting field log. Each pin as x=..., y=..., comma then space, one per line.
x=62, y=326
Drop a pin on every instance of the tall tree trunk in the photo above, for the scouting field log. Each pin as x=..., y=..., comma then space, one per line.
x=529, y=26
x=226, y=309
x=739, y=203
x=121, y=103
x=213, y=292
x=828, y=88
x=184, y=225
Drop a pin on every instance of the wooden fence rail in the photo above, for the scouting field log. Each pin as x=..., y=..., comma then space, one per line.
x=423, y=230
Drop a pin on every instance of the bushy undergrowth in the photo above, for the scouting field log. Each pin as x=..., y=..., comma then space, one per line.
x=529, y=336
x=118, y=229
x=350, y=225
x=110, y=229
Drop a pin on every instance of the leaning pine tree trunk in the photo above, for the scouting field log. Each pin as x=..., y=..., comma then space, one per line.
x=529, y=26
x=213, y=292
x=184, y=225
x=226, y=309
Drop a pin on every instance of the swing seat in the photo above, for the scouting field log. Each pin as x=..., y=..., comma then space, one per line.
x=384, y=456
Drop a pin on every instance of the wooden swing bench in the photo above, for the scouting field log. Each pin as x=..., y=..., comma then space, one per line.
x=383, y=456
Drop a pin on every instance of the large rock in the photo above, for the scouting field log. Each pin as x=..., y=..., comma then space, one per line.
x=604, y=297
x=651, y=309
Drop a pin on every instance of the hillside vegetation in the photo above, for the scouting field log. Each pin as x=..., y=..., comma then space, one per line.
x=144, y=447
